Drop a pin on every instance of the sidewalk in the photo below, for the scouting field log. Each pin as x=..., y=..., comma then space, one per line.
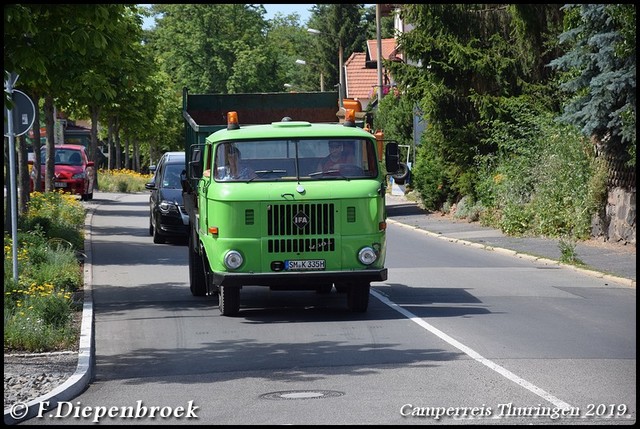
x=617, y=262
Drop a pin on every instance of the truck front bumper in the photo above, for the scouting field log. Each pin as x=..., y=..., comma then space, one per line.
x=302, y=279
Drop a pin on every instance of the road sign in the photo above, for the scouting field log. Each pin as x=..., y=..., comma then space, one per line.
x=23, y=113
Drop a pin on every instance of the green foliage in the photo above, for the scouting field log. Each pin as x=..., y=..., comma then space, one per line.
x=568, y=253
x=213, y=48
x=395, y=117
x=38, y=305
x=540, y=179
x=600, y=74
x=429, y=178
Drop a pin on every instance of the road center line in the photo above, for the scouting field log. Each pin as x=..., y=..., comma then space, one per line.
x=472, y=353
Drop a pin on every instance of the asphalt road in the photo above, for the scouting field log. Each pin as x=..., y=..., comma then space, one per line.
x=455, y=331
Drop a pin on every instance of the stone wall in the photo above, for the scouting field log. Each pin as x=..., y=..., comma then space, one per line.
x=617, y=224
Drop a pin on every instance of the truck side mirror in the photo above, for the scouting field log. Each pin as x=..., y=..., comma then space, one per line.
x=392, y=157
x=195, y=163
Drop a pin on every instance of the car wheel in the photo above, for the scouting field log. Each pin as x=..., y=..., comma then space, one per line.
x=197, y=275
x=158, y=238
x=229, y=300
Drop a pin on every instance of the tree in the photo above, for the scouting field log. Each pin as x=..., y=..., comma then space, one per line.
x=472, y=58
x=340, y=26
x=600, y=66
x=51, y=46
x=213, y=48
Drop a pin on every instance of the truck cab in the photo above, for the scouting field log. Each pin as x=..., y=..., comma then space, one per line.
x=290, y=205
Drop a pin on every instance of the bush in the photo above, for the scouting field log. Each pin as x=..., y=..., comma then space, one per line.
x=543, y=180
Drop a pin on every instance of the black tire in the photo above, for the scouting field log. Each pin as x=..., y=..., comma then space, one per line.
x=341, y=288
x=401, y=175
x=358, y=297
x=324, y=289
x=150, y=224
x=197, y=275
x=157, y=236
x=229, y=300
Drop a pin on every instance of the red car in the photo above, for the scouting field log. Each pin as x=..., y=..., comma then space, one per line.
x=74, y=173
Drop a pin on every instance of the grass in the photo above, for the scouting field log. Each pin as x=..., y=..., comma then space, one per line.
x=42, y=306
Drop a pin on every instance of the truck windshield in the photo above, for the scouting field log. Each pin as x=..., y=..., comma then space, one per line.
x=304, y=159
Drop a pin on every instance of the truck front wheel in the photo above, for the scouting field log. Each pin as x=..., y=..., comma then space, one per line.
x=358, y=297
x=197, y=277
x=229, y=300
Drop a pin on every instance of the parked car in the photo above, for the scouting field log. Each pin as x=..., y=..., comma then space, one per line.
x=73, y=173
x=168, y=219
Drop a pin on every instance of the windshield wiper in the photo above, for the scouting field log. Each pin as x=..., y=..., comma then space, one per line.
x=333, y=172
x=269, y=171
x=266, y=172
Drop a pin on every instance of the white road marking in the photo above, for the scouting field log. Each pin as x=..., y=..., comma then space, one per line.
x=473, y=354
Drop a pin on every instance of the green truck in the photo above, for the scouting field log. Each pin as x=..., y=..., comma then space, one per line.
x=281, y=193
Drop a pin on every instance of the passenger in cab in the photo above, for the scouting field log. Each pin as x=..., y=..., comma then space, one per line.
x=337, y=157
x=233, y=168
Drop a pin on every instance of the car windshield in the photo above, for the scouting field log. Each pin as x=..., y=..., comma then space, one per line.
x=303, y=159
x=64, y=157
x=171, y=176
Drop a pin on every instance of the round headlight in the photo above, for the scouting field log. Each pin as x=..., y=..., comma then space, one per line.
x=233, y=259
x=367, y=255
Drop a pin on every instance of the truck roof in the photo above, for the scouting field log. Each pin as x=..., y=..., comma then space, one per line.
x=289, y=130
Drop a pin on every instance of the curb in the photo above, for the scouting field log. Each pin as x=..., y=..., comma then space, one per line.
x=78, y=382
x=592, y=273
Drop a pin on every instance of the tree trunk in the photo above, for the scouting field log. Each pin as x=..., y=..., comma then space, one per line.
x=37, y=156
x=136, y=155
x=116, y=131
x=51, y=151
x=111, y=143
x=127, y=158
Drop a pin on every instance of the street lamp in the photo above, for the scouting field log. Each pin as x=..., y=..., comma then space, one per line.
x=303, y=63
x=340, y=70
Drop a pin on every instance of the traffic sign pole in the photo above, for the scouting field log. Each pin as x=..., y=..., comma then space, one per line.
x=12, y=179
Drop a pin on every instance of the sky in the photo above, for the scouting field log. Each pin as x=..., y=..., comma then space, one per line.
x=301, y=9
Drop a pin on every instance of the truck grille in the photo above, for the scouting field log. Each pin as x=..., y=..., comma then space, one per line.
x=300, y=221
x=288, y=245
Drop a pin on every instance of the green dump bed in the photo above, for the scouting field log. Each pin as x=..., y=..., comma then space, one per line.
x=207, y=113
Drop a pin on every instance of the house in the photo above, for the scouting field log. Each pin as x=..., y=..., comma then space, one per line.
x=361, y=71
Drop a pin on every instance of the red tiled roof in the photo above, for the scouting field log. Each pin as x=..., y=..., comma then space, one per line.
x=388, y=49
x=361, y=81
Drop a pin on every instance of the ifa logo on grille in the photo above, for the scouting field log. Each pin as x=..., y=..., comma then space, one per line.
x=301, y=220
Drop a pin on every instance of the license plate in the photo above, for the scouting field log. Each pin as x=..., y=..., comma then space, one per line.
x=304, y=265
x=60, y=184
